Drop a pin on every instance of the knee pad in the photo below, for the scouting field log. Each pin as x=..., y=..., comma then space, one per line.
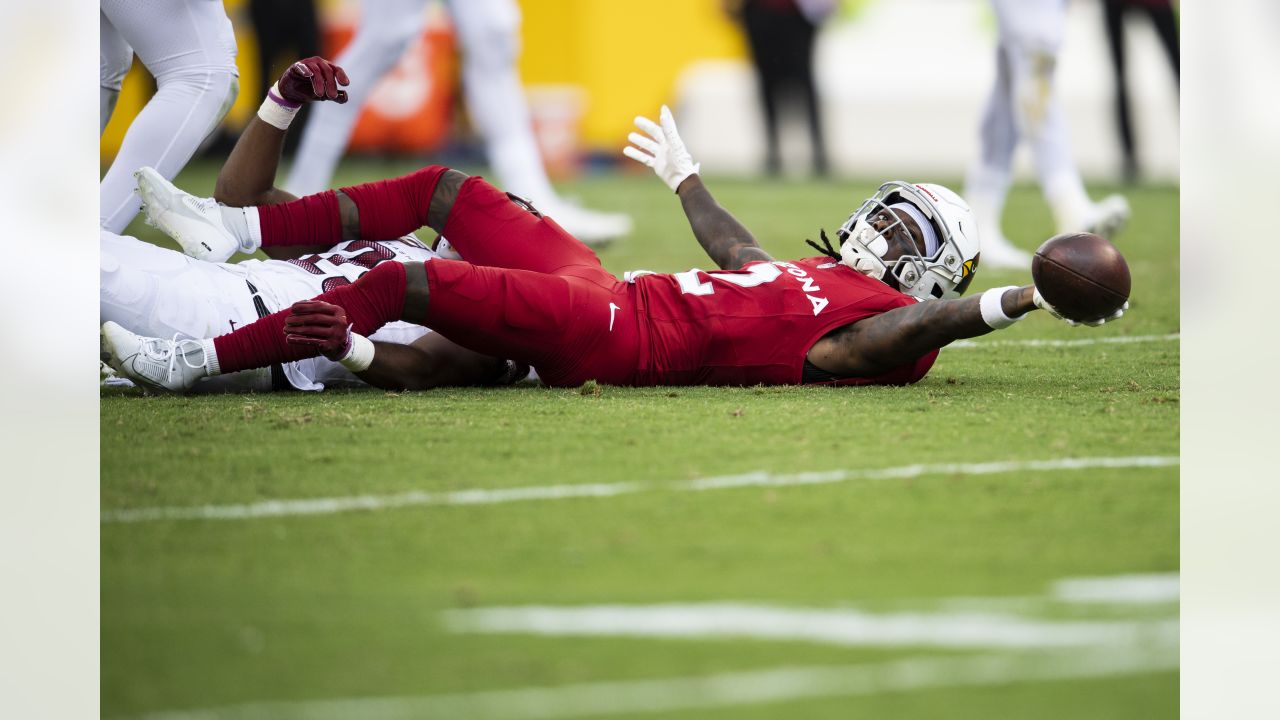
x=1032, y=75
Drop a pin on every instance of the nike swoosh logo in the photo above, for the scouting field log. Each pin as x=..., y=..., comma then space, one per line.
x=613, y=309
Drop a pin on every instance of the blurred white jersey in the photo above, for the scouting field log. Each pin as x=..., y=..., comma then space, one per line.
x=158, y=292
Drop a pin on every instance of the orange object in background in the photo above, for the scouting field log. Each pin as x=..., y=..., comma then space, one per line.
x=556, y=113
x=410, y=109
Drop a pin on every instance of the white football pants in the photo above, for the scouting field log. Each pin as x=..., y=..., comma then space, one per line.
x=1024, y=105
x=190, y=49
x=489, y=36
x=159, y=293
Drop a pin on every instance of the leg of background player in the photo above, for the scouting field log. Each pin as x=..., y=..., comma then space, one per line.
x=988, y=179
x=757, y=23
x=489, y=35
x=1033, y=32
x=806, y=85
x=1113, y=15
x=189, y=47
x=387, y=28
x=114, y=59
x=1167, y=29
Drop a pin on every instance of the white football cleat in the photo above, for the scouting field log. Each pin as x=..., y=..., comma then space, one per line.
x=1107, y=216
x=196, y=223
x=592, y=227
x=1000, y=254
x=173, y=365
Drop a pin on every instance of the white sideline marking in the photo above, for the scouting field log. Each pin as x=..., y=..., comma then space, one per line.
x=1117, y=340
x=482, y=496
x=913, y=471
x=774, y=685
x=1119, y=589
x=845, y=627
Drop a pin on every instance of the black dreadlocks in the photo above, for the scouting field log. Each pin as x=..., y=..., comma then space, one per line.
x=829, y=250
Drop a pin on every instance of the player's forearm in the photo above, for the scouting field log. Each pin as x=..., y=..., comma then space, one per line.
x=907, y=333
x=431, y=362
x=249, y=174
x=883, y=342
x=725, y=239
x=399, y=367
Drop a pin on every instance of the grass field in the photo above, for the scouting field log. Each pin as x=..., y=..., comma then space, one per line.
x=997, y=541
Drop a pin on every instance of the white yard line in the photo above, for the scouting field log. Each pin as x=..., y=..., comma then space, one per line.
x=775, y=685
x=846, y=627
x=1082, y=342
x=914, y=471
x=1119, y=589
x=489, y=496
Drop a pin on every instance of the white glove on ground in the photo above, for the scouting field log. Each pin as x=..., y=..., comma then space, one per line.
x=1044, y=305
x=663, y=150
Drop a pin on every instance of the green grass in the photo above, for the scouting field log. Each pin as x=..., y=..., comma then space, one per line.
x=200, y=614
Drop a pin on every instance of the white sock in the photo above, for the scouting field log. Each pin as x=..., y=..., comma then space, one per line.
x=211, y=366
x=243, y=223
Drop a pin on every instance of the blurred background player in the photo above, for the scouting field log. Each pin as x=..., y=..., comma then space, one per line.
x=1024, y=105
x=489, y=35
x=781, y=35
x=1161, y=15
x=189, y=48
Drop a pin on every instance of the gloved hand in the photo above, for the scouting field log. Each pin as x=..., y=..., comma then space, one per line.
x=1043, y=304
x=663, y=150
x=321, y=325
x=313, y=78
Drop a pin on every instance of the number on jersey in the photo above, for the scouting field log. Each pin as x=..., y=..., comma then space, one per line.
x=758, y=274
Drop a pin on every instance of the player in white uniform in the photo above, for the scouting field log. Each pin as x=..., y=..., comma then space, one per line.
x=190, y=49
x=1023, y=105
x=489, y=34
x=172, y=295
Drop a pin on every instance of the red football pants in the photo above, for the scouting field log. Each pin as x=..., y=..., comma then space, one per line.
x=531, y=292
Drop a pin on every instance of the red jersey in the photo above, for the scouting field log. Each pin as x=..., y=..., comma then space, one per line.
x=756, y=325
x=533, y=293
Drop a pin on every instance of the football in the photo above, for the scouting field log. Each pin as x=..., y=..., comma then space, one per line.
x=1082, y=275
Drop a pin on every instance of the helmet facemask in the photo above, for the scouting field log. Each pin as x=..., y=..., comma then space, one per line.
x=944, y=273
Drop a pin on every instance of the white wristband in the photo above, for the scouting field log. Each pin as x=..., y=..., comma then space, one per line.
x=992, y=312
x=276, y=111
x=360, y=356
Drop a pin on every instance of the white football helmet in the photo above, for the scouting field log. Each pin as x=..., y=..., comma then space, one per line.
x=945, y=273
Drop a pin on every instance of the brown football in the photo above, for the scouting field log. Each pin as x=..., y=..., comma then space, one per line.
x=1082, y=275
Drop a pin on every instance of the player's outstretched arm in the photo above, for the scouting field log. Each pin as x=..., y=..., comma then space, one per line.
x=878, y=344
x=725, y=239
x=883, y=342
x=248, y=176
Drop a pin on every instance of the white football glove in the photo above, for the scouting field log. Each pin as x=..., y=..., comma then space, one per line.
x=663, y=150
x=1044, y=305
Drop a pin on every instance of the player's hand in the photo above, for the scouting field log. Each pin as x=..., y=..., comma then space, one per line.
x=313, y=79
x=662, y=150
x=321, y=325
x=1044, y=305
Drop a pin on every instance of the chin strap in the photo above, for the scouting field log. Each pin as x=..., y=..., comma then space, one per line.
x=829, y=251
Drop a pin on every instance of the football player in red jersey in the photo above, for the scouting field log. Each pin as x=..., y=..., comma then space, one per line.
x=874, y=311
